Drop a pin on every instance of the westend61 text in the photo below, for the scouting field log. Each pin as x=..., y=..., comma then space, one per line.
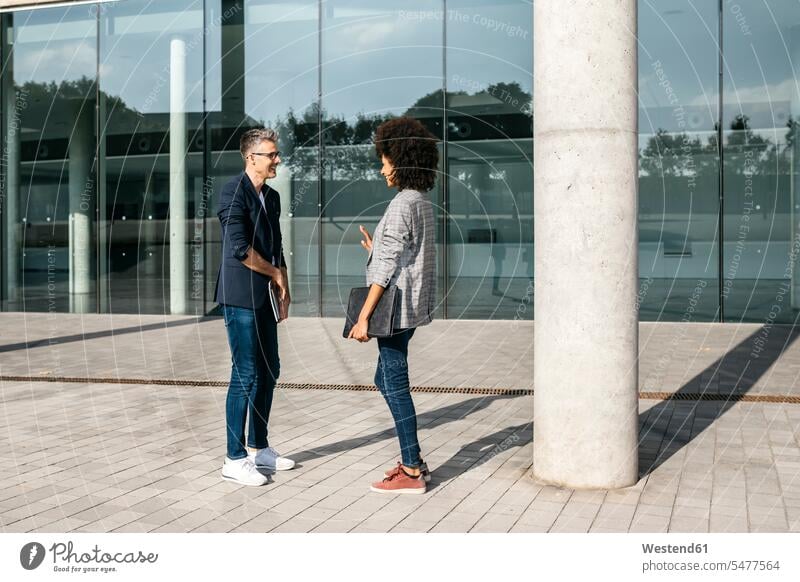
x=672, y=549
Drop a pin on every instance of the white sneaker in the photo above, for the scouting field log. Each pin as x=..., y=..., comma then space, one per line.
x=270, y=459
x=242, y=471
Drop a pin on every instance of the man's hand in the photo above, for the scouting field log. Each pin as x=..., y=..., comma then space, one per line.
x=279, y=276
x=359, y=331
x=367, y=242
x=287, y=300
x=280, y=280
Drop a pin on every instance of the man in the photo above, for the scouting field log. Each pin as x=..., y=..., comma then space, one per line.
x=252, y=256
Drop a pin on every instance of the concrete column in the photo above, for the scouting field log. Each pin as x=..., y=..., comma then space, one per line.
x=794, y=161
x=232, y=60
x=282, y=183
x=104, y=221
x=12, y=128
x=586, y=259
x=81, y=208
x=178, y=242
x=198, y=247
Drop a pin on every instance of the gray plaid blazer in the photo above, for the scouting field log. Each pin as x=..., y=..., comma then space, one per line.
x=404, y=254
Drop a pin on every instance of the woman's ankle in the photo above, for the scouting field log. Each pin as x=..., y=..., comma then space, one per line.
x=412, y=471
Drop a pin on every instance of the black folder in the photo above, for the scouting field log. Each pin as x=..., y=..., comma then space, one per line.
x=381, y=323
x=274, y=301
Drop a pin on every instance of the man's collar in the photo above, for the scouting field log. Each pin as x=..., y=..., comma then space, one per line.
x=245, y=179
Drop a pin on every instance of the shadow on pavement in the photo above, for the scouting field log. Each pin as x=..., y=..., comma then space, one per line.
x=672, y=423
x=79, y=337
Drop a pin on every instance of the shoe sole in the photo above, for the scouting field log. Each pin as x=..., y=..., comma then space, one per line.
x=269, y=467
x=232, y=480
x=404, y=491
x=426, y=477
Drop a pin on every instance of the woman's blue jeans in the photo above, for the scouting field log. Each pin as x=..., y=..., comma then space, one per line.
x=391, y=378
x=253, y=339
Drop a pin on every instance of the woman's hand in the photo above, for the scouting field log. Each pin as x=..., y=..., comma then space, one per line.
x=367, y=242
x=359, y=331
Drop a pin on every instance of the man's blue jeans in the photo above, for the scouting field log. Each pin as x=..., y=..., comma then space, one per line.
x=253, y=339
x=391, y=378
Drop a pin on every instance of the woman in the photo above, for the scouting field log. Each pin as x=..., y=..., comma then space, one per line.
x=402, y=253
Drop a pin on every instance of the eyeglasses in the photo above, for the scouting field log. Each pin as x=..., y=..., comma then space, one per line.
x=270, y=155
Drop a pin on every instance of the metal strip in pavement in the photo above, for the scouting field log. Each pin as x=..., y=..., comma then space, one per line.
x=644, y=395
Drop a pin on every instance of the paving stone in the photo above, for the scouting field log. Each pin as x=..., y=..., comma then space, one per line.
x=147, y=458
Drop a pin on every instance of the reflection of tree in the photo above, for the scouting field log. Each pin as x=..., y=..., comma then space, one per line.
x=335, y=130
x=513, y=95
x=83, y=88
x=349, y=152
x=762, y=156
x=45, y=98
x=668, y=154
x=791, y=133
x=505, y=98
x=429, y=105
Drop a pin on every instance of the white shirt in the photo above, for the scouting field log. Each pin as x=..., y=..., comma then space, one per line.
x=273, y=260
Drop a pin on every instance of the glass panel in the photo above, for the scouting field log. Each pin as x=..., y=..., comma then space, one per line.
x=678, y=160
x=49, y=141
x=490, y=159
x=152, y=193
x=761, y=112
x=262, y=71
x=379, y=60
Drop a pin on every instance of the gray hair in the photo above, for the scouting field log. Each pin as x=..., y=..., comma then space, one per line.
x=253, y=137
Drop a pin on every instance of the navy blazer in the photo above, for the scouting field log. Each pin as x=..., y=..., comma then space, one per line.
x=245, y=224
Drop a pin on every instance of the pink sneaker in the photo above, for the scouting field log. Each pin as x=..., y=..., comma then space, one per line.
x=423, y=470
x=399, y=482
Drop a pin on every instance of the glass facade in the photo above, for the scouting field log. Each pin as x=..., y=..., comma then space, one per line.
x=121, y=122
x=262, y=68
x=151, y=153
x=761, y=208
x=378, y=60
x=49, y=175
x=489, y=159
x=679, y=177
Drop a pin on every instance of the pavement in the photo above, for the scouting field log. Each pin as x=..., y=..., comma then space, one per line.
x=116, y=423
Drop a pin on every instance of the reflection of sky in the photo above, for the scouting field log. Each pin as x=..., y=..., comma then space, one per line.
x=760, y=39
x=135, y=52
x=681, y=37
x=281, y=55
x=379, y=58
x=759, y=78
x=59, y=44
x=489, y=42
x=54, y=45
x=376, y=60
